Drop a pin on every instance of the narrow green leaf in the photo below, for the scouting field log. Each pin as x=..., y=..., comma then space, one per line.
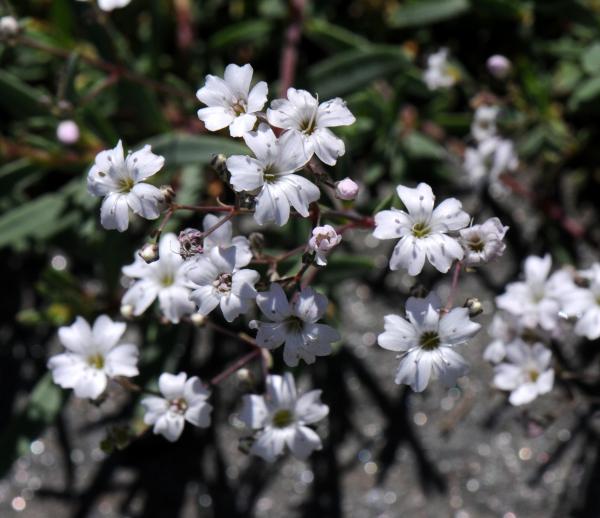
x=424, y=12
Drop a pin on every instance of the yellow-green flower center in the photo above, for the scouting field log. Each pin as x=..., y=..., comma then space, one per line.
x=420, y=230
x=429, y=340
x=96, y=361
x=126, y=184
x=283, y=418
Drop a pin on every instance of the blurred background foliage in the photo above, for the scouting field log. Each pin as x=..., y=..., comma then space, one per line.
x=132, y=75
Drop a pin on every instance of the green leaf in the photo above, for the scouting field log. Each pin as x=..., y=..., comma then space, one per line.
x=590, y=59
x=341, y=266
x=420, y=147
x=334, y=37
x=43, y=406
x=246, y=31
x=586, y=92
x=425, y=12
x=18, y=98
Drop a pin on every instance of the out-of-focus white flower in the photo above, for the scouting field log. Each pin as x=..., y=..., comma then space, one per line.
x=9, y=27
x=527, y=372
x=223, y=237
x=282, y=418
x=439, y=73
x=584, y=303
x=422, y=230
x=504, y=329
x=484, y=122
x=491, y=158
x=426, y=341
x=535, y=301
x=484, y=242
x=184, y=400
x=346, y=189
x=294, y=324
x=230, y=101
x=67, y=132
x=109, y=5
x=165, y=278
x=271, y=175
x=322, y=241
x=217, y=282
x=121, y=181
x=92, y=356
x=302, y=112
x=499, y=66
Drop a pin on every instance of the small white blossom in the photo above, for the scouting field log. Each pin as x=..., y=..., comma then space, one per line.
x=427, y=341
x=422, y=230
x=491, y=158
x=484, y=242
x=184, y=400
x=322, y=241
x=527, y=372
x=165, y=278
x=121, y=181
x=499, y=66
x=294, y=324
x=92, y=356
x=504, y=329
x=439, y=73
x=584, y=303
x=282, y=418
x=271, y=175
x=217, y=282
x=9, y=27
x=346, y=189
x=484, y=123
x=301, y=112
x=230, y=101
x=223, y=237
x=109, y=5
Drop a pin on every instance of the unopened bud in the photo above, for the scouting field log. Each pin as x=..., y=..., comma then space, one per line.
x=474, y=305
x=9, y=27
x=244, y=376
x=67, y=132
x=127, y=311
x=168, y=193
x=499, y=66
x=190, y=241
x=197, y=319
x=149, y=252
x=257, y=242
x=346, y=189
x=219, y=164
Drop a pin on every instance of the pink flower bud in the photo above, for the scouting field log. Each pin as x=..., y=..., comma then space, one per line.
x=499, y=66
x=149, y=252
x=346, y=189
x=67, y=132
x=322, y=241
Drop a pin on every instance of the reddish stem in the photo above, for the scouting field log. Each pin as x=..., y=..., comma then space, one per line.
x=453, y=287
x=236, y=366
x=289, y=54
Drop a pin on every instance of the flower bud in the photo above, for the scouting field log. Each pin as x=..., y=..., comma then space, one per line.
x=499, y=66
x=474, y=305
x=168, y=193
x=67, y=132
x=244, y=375
x=190, y=241
x=127, y=311
x=322, y=241
x=346, y=189
x=9, y=27
x=197, y=319
x=149, y=252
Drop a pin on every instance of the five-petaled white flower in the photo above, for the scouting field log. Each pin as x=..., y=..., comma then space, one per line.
x=92, y=356
x=282, y=418
x=223, y=237
x=439, y=73
x=294, y=324
x=120, y=180
x=184, y=400
x=230, y=102
x=484, y=242
x=271, y=175
x=584, y=303
x=323, y=239
x=426, y=341
x=422, y=230
x=302, y=112
x=484, y=122
x=527, y=373
x=165, y=278
x=217, y=282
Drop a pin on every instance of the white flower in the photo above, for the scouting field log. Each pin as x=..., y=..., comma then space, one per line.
x=120, y=181
x=426, y=342
x=217, y=282
x=484, y=242
x=439, y=73
x=230, y=102
x=184, y=400
x=534, y=301
x=109, y=5
x=9, y=27
x=294, y=324
x=484, y=122
x=527, y=374
x=504, y=329
x=422, y=230
x=302, y=112
x=282, y=418
x=346, y=189
x=322, y=241
x=165, y=278
x=271, y=176
x=584, y=303
x=498, y=65
x=491, y=158
x=92, y=356
x=223, y=237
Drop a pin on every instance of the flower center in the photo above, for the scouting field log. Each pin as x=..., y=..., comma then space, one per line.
x=420, y=230
x=126, y=184
x=477, y=245
x=283, y=418
x=294, y=325
x=96, y=361
x=239, y=107
x=167, y=280
x=269, y=175
x=223, y=283
x=429, y=340
x=533, y=375
x=179, y=405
